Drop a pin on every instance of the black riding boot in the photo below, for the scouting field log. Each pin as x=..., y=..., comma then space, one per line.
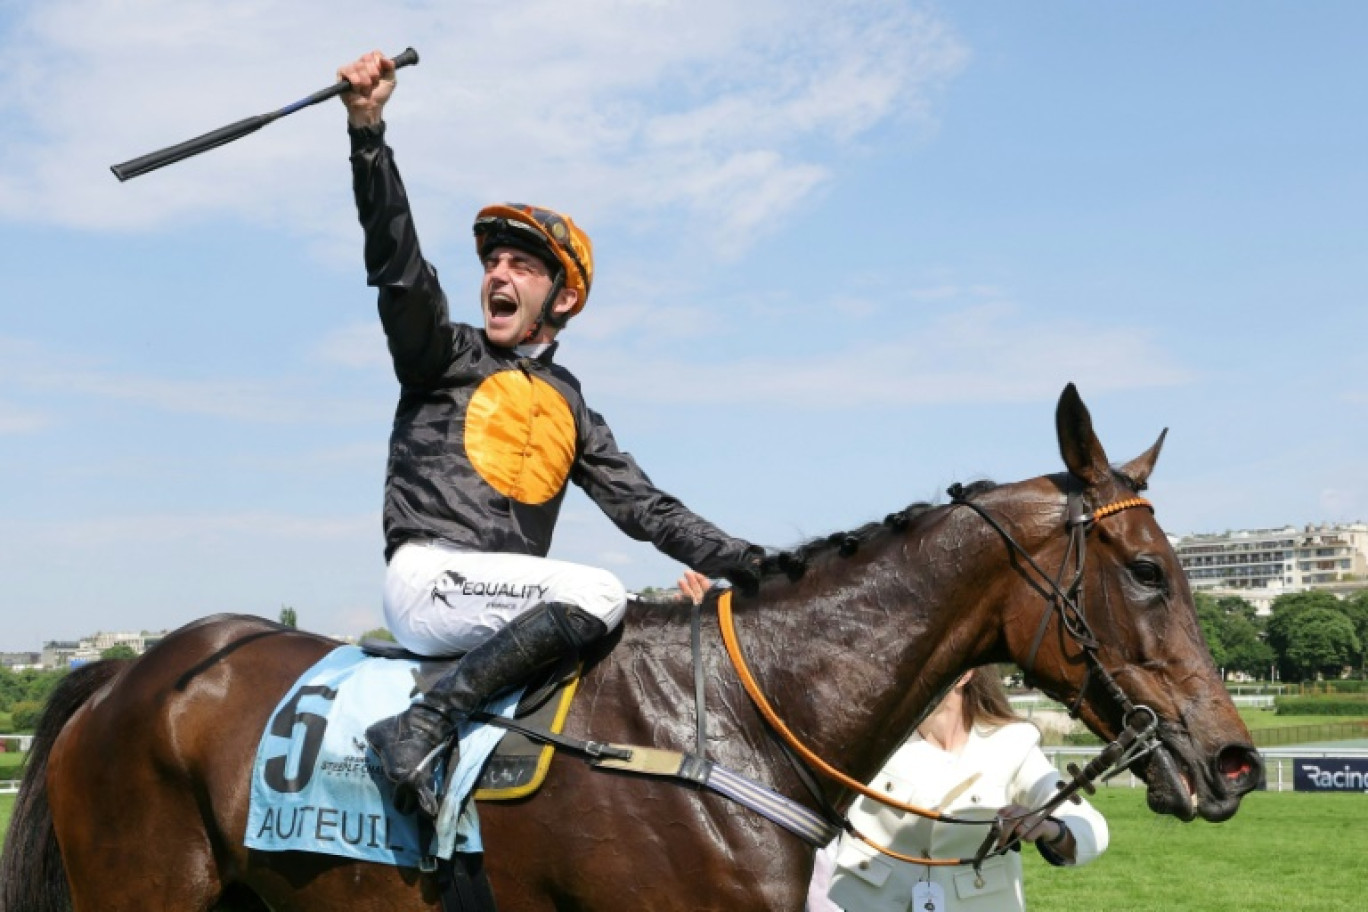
x=408, y=744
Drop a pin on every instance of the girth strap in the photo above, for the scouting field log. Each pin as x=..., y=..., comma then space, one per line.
x=463, y=885
x=799, y=820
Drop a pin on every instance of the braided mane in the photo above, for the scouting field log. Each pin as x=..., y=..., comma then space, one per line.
x=794, y=563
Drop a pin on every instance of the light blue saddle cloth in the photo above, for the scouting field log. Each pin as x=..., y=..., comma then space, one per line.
x=317, y=787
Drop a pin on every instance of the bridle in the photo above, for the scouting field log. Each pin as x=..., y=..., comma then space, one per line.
x=1067, y=602
x=1137, y=738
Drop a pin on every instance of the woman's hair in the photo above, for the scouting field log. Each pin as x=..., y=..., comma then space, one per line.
x=985, y=700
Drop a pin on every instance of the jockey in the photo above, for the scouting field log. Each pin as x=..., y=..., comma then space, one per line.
x=487, y=433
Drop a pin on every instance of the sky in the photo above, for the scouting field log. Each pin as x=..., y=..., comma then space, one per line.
x=848, y=253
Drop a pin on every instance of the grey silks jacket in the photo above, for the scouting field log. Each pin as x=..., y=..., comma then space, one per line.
x=485, y=440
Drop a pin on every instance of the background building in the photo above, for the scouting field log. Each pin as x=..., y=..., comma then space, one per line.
x=1260, y=564
x=58, y=653
x=20, y=660
x=68, y=653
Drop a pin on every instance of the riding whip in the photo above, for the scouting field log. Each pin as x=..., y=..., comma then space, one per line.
x=224, y=135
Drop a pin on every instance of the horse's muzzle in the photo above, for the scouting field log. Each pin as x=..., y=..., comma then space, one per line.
x=1210, y=789
x=1238, y=770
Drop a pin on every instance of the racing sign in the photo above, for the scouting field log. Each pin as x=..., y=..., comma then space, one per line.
x=1330, y=774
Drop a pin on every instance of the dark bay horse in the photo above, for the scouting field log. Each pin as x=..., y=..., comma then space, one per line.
x=136, y=793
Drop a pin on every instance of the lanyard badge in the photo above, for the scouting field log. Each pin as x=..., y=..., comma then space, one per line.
x=927, y=897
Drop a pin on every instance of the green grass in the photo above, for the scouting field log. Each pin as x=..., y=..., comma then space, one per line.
x=9, y=769
x=1283, y=852
x=1258, y=719
x=9, y=764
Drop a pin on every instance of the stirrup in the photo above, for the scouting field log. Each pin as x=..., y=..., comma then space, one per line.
x=411, y=786
x=418, y=790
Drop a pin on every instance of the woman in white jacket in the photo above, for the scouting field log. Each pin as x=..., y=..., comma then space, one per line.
x=971, y=758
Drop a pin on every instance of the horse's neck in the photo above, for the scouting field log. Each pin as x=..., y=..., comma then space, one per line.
x=850, y=656
x=854, y=656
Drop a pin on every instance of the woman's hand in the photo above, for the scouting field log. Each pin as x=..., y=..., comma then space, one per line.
x=694, y=585
x=1049, y=831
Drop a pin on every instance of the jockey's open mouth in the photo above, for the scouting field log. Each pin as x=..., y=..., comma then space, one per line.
x=502, y=306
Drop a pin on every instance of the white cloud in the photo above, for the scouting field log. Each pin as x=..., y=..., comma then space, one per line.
x=639, y=306
x=611, y=109
x=196, y=528
x=984, y=353
x=274, y=401
x=293, y=399
x=362, y=457
x=360, y=345
x=17, y=420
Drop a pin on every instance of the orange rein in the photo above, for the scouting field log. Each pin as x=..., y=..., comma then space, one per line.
x=728, y=627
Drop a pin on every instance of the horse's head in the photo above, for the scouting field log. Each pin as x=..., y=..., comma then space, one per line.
x=1135, y=614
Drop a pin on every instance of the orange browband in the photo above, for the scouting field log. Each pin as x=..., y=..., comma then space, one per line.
x=1120, y=505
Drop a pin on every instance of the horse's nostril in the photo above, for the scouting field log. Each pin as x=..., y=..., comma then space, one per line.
x=1236, y=762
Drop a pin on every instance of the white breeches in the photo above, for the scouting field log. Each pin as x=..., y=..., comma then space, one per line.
x=439, y=600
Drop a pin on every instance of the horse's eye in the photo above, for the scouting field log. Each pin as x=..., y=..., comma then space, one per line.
x=1147, y=573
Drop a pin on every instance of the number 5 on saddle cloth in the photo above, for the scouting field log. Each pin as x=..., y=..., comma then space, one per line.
x=316, y=787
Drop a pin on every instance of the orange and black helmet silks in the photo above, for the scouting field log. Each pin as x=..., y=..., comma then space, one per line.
x=544, y=233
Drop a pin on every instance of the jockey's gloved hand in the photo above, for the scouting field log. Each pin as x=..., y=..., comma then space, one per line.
x=745, y=574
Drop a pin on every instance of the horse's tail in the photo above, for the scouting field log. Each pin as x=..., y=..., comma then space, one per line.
x=32, y=877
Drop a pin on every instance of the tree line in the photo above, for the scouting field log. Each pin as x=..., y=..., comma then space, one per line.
x=1306, y=635
x=23, y=693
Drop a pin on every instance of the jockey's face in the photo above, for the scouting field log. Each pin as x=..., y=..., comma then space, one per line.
x=515, y=285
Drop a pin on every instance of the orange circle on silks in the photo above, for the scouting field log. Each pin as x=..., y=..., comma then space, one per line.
x=520, y=436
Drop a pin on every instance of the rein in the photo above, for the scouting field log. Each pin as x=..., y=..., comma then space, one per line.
x=728, y=626
x=727, y=623
x=1134, y=741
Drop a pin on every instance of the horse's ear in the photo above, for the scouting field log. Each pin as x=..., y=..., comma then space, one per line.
x=1138, y=469
x=1078, y=443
